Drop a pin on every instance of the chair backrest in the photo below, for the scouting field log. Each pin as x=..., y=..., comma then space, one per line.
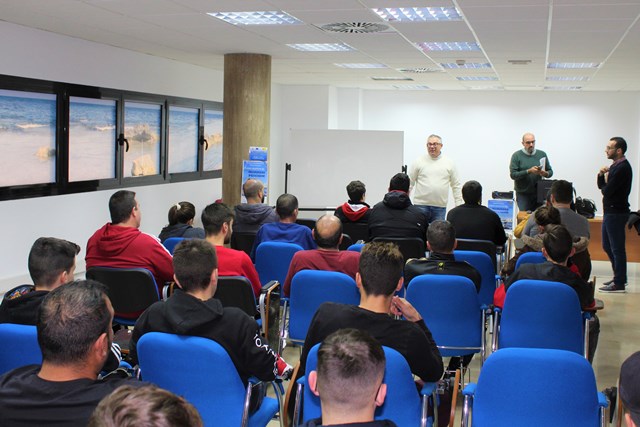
x=410, y=247
x=19, y=346
x=357, y=230
x=481, y=262
x=451, y=310
x=273, y=259
x=535, y=387
x=402, y=404
x=236, y=291
x=530, y=258
x=346, y=242
x=243, y=241
x=205, y=375
x=541, y=314
x=131, y=290
x=172, y=242
x=356, y=247
x=309, y=289
x=486, y=246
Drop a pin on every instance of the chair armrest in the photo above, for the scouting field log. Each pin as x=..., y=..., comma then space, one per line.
x=302, y=380
x=498, y=279
x=268, y=286
x=470, y=389
x=428, y=389
x=602, y=400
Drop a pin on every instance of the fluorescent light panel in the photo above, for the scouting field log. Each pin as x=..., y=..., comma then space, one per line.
x=573, y=65
x=448, y=46
x=321, y=47
x=360, y=65
x=452, y=65
x=562, y=87
x=568, y=78
x=419, y=70
x=273, y=17
x=476, y=78
x=418, y=14
x=399, y=79
x=411, y=87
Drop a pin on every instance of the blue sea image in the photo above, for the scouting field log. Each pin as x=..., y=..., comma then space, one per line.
x=213, y=135
x=27, y=137
x=142, y=129
x=183, y=139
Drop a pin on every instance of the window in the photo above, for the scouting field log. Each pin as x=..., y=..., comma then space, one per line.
x=213, y=136
x=183, y=139
x=142, y=131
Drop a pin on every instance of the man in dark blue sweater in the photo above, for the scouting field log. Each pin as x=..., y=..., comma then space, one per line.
x=615, y=183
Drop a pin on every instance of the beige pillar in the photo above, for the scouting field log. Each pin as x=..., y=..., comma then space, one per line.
x=247, y=111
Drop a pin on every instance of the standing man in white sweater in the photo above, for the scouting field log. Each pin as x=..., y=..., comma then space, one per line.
x=431, y=176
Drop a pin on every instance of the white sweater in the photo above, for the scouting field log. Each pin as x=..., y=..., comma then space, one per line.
x=431, y=179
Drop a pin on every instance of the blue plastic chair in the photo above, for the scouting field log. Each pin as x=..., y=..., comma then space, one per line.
x=309, y=289
x=356, y=247
x=481, y=262
x=452, y=311
x=541, y=314
x=403, y=404
x=273, y=260
x=19, y=346
x=201, y=371
x=171, y=243
x=534, y=387
x=530, y=258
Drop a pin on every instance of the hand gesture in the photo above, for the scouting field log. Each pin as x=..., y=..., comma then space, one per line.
x=402, y=307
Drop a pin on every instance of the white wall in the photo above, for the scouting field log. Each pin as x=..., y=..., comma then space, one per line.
x=38, y=54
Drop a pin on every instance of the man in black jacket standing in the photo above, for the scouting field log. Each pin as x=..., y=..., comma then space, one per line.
x=615, y=183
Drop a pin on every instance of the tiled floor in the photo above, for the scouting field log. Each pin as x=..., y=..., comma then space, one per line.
x=619, y=330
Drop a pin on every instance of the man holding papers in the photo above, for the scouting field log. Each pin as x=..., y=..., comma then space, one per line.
x=528, y=166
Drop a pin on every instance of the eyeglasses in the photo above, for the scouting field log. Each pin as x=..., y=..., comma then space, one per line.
x=530, y=142
x=433, y=144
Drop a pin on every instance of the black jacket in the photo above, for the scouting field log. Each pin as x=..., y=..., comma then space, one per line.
x=249, y=217
x=181, y=230
x=396, y=216
x=20, y=305
x=438, y=263
x=616, y=189
x=477, y=222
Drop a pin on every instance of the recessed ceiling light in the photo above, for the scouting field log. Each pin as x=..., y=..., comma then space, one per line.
x=466, y=65
x=568, y=78
x=411, y=87
x=355, y=27
x=573, y=65
x=418, y=14
x=361, y=65
x=562, y=87
x=448, y=46
x=486, y=88
x=321, y=47
x=274, y=17
x=519, y=61
x=419, y=70
x=391, y=79
x=476, y=78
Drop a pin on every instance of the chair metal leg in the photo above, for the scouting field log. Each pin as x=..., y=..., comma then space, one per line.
x=245, y=410
x=296, y=409
x=465, y=411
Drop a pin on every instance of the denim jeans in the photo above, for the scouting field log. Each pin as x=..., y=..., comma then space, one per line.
x=613, y=237
x=433, y=213
x=527, y=201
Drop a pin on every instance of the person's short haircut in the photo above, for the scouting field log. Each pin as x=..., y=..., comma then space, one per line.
x=546, y=215
x=441, y=236
x=472, y=192
x=181, y=213
x=350, y=369
x=214, y=216
x=558, y=242
x=433, y=135
x=251, y=188
x=356, y=191
x=193, y=262
x=381, y=265
x=147, y=406
x=70, y=320
x=400, y=181
x=121, y=203
x=49, y=257
x=630, y=386
x=620, y=143
x=286, y=205
x=327, y=241
x=562, y=191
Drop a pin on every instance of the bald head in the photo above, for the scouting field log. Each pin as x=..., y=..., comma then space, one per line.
x=253, y=190
x=328, y=231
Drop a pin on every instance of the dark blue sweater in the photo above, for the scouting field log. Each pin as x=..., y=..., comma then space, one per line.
x=615, y=191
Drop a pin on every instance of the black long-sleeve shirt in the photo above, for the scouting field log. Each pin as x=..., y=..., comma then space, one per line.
x=616, y=188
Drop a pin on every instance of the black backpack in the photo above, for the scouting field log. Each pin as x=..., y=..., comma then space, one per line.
x=585, y=207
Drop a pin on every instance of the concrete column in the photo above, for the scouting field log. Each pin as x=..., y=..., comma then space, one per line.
x=247, y=112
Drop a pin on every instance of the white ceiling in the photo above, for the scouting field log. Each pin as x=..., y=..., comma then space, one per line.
x=542, y=31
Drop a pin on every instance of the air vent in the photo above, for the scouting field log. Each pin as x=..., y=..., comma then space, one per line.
x=355, y=27
x=519, y=61
x=420, y=70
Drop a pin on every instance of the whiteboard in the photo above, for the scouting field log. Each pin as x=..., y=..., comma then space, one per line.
x=324, y=161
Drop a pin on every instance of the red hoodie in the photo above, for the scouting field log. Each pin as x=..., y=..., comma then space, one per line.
x=128, y=247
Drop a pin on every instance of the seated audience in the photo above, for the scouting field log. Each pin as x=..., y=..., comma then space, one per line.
x=217, y=219
x=181, y=217
x=354, y=210
x=379, y=277
x=286, y=229
x=251, y=215
x=348, y=380
x=328, y=235
x=471, y=220
x=147, y=406
x=630, y=389
x=557, y=247
x=441, y=242
x=395, y=215
x=193, y=311
x=74, y=334
x=121, y=244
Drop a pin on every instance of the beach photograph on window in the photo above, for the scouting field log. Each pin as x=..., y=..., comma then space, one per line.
x=27, y=138
x=213, y=135
x=183, y=139
x=142, y=129
x=92, y=139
